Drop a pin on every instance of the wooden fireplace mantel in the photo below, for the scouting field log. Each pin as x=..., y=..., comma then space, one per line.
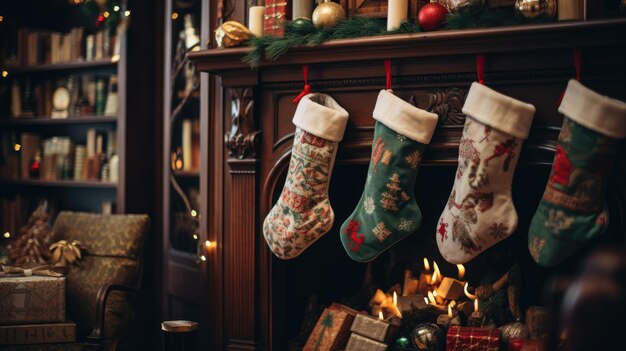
x=251, y=131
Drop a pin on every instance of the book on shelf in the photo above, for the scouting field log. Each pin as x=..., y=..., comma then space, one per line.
x=72, y=95
x=59, y=158
x=191, y=144
x=39, y=46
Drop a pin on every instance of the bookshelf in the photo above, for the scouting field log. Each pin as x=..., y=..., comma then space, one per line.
x=73, y=58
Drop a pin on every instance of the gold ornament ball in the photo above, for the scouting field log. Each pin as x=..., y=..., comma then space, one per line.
x=454, y=6
x=535, y=8
x=327, y=14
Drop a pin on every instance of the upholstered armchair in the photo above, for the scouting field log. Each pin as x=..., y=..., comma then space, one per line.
x=99, y=292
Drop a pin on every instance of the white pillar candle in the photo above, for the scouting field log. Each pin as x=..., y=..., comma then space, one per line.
x=571, y=9
x=255, y=20
x=302, y=9
x=397, y=12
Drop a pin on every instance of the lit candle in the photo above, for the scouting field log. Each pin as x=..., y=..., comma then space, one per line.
x=461, y=269
x=436, y=274
x=431, y=298
x=255, y=20
x=397, y=11
x=476, y=305
x=426, y=265
x=380, y=315
x=450, y=310
x=426, y=300
x=302, y=9
x=571, y=9
x=425, y=278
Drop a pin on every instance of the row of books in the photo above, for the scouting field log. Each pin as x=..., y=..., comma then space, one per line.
x=71, y=96
x=58, y=158
x=36, y=46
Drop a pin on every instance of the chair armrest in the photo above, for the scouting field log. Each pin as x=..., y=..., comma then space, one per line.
x=101, y=302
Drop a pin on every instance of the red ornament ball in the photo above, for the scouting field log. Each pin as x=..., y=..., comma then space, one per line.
x=432, y=16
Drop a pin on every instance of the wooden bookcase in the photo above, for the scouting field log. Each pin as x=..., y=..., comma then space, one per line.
x=134, y=127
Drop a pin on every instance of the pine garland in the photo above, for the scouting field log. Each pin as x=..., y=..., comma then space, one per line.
x=303, y=33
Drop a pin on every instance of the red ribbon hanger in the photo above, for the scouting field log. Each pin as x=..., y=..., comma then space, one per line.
x=577, y=64
x=388, y=74
x=307, y=87
x=480, y=68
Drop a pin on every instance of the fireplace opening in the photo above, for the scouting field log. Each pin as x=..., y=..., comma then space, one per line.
x=324, y=274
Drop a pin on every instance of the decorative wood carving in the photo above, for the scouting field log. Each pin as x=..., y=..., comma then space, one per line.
x=242, y=139
x=447, y=104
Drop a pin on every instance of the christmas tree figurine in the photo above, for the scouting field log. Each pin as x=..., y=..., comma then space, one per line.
x=389, y=199
x=31, y=247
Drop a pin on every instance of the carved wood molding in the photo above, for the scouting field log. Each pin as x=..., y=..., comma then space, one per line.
x=447, y=104
x=243, y=137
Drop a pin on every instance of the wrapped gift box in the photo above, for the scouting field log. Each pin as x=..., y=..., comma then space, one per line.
x=332, y=329
x=277, y=12
x=360, y=343
x=373, y=328
x=41, y=333
x=472, y=339
x=32, y=300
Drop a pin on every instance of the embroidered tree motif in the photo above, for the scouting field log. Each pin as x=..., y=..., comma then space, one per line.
x=505, y=148
x=381, y=231
x=536, y=246
x=386, y=159
x=356, y=238
x=389, y=199
x=442, y=230
x=557, y=220
x=405, y=224
x=498, y=230
x=369, y=206
x=461, y=233
x=414, y=159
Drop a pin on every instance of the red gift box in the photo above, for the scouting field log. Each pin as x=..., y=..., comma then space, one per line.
x=472, y=339
x=276, y=13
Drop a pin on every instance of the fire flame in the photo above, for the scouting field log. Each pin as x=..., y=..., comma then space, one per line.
x=461, y=269
x=467, y=293
x=380, y=315
x=476, y=305
x=433, y=279
x=426, y=265
x=450, y=310
x=426, y=300
x=437, y=274
x=431, y=298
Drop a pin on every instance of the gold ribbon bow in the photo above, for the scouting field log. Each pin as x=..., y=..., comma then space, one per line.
x=27, y=272
x=65, y=254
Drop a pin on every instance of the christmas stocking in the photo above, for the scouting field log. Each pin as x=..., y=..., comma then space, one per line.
x=387, y=211
x=573, y=210
x=480, y=210
x=303, y=213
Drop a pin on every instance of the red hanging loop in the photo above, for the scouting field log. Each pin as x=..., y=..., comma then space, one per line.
x=480, y=68
x=577, y=66
x=307, y=87
x=577, y=62
x=388, y=74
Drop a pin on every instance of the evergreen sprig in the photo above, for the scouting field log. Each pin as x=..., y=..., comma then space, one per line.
x=302, y=33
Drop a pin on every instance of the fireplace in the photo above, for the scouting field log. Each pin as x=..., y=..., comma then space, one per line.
x=261, y=302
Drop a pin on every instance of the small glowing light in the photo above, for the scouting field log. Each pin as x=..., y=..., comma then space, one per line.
x=106, y=14
x=433, y=279
x=203, y=258
x=4, y=73
x=476, y=305
x=435, y=293
x=426, y=265
x=461, y=269
x=17, y=147
x=380, y=315
x=431, y=298
x=208, y=244
x=467, y=293
x=6, y=235
x=450, y=310
x=195, y=237
x=395, y=299
x=116, y=8
x=194, y=213
x=1, y=18
x=115, y=58
x=174, y=15
x=127, y=13
x=437, y=274
x=426, y=300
